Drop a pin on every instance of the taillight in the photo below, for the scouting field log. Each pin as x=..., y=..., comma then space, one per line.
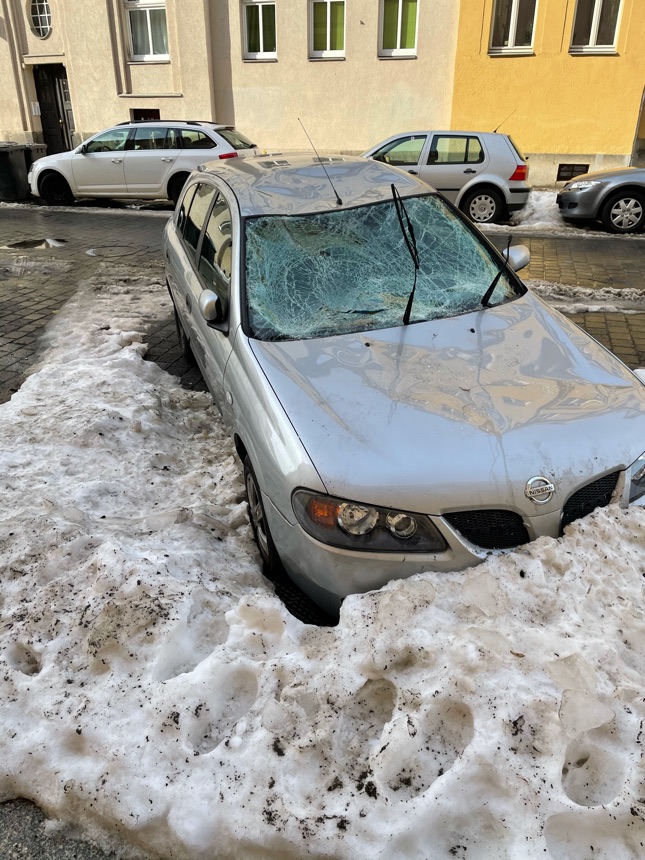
x=521, y=173
x=228, y=155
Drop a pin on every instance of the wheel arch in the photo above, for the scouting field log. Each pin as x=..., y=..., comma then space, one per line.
x=477, y=185
x=628, y=188
x=175, y=178
x=51, y=171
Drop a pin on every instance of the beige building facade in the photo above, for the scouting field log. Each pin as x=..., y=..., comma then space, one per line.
x=353, y=71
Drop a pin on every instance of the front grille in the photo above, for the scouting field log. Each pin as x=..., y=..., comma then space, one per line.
x=490, y=529
x=584, y=501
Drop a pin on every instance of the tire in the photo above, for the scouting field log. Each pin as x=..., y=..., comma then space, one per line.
x=624, y=212
x=259, y=525
x=55, y=191
x=184, y=343
x=484, y=206
x=175, y=186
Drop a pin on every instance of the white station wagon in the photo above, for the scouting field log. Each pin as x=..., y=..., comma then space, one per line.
x=401, y=402
x=146, y=160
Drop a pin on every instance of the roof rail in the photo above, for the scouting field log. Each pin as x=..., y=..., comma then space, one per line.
x=187, y=121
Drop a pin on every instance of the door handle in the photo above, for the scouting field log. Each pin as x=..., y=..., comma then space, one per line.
x=166, y=159
x=470, y=170
x=116, y=160
x=414, y=172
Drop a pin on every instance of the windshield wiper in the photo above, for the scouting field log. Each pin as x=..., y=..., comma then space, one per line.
x=489, y=292
x=411, y=242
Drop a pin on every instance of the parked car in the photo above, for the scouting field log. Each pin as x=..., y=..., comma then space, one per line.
x=483, y=173
x=614, y=197
x=144, y=160
x=400, y=401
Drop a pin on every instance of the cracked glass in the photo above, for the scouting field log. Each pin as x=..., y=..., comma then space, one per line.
x=350, y=270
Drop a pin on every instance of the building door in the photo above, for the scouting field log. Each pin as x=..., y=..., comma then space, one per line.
x=57, y=119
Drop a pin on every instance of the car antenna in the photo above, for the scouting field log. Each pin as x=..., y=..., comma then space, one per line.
x=338, y=200
x=504, y=120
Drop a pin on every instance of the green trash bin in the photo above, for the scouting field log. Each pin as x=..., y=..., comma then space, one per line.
x=13, y=172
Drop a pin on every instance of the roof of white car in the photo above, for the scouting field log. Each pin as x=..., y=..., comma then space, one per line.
x=292, y=183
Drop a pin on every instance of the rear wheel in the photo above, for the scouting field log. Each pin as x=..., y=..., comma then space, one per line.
x=624, y=212
x=55, y=191
x=175, y=186
x=484, y=206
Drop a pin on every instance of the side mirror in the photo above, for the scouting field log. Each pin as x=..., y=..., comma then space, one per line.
x=210, y=307
x=82, y=149
x=433, y=156
x=518, y=257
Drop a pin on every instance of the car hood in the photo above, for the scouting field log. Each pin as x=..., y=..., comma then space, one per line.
x=633, y=174
x=460, y=412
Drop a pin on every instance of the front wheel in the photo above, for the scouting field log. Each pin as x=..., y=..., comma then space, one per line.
x=259, y=523
x=484, y=207
x=624, y=212
x=55, y=191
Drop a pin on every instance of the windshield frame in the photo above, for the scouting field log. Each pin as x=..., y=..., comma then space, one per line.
x=517, y=285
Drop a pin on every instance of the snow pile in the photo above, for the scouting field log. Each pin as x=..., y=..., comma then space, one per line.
x=575, y=300
x=157, y=694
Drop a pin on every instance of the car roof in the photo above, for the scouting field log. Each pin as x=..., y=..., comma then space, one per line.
x=174, y=122
x=292, y=183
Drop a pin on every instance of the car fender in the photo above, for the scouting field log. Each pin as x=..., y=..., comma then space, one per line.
x=481, y=180
x=619, y=188
x=58, y=164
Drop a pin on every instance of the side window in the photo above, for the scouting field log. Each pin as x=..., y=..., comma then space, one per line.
x=192, y=139
x=403, y=150
x=184, y=206
x=149, y=137
x=197, y=212
x=109, y=141
x=455, y=150
x=216, y=254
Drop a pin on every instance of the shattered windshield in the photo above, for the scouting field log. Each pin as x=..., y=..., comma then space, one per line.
x=347, y=271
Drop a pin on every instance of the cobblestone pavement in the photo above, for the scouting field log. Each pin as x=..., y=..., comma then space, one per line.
x=35, y=282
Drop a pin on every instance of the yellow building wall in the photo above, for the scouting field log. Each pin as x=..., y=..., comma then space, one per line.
x=558, y=107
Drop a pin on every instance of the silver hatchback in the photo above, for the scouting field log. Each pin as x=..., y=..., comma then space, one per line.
x=399, y=400
x=484, y=173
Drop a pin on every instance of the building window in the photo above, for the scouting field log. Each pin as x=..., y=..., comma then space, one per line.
x=595, y=27
x=327, y=28
x=398, y=28
x=512, y=27
x=148, y=30
x=41, y=18
x=259, y=30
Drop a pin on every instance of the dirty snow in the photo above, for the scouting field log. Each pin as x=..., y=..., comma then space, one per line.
x=156, y=694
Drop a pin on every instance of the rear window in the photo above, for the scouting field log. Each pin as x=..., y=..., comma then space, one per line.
x=235, y=138
x=518, y=151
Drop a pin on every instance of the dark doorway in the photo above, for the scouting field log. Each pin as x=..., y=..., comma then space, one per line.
x=56, y=114
x=137, y=114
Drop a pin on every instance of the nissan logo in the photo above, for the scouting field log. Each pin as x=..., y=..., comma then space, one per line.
x=539, y=490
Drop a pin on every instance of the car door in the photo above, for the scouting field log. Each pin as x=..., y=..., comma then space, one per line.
x=205, y=224
x=151, y=153
x=452, y=161
x=196, y=148
x=98, y=165
x=405, y=152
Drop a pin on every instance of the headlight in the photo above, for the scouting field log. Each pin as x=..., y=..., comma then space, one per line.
x=637, y=475
x=582, y=185
x=357, y=526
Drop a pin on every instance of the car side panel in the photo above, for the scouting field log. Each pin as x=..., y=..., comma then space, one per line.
x=146, y=172
x=451, y=179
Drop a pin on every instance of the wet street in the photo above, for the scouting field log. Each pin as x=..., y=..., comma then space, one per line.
x=45, y=254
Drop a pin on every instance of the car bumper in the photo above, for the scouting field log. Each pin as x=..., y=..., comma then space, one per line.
x=576, y=204
x=517, y=199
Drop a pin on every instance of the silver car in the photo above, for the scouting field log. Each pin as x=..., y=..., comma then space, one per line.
x=483, y=173
x=614, y=197
x=399, y=400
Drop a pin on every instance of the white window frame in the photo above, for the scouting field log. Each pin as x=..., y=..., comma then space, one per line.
x=511, y=48
x=146, y=6
x=397, y=52
x=261, y=54
x=592, y=48
x=326, y=54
